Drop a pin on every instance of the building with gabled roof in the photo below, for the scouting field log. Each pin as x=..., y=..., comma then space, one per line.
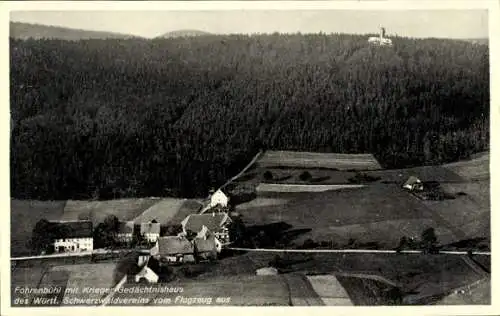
x=413, y=184
x=125, y=231
x=219, y=198
x=216, y=223
x=150, y=231
x=73, y=236
x=174, y=249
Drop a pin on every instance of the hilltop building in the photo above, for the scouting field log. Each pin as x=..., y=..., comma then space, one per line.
x=380, y=40
x=76, y=236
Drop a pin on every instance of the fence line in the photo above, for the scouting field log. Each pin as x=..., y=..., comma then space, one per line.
x=481, y=253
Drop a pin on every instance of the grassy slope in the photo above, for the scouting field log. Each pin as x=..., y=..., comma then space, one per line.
x=162, y=211
x=476, y=168
x=123, y=209
x=382, y=213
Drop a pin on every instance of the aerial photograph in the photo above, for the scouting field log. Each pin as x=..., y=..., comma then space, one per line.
x=321, y=157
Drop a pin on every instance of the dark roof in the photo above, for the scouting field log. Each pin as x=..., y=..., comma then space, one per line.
x=73, y=229
x=150, y=228
x=126, y=227
x=205, y=245
x=213, y=221
x=172, y=245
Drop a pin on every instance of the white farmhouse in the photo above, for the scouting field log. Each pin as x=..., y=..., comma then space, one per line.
x=219, y=198
x=75, y=236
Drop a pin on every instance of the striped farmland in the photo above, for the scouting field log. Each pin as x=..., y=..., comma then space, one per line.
x=294, y=159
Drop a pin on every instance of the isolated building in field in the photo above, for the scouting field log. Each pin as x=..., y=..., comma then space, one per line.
x=150, y=231
x=413, y=184
x=74, y=236
x=216, y=223
x=380, y=40
x=125, y=232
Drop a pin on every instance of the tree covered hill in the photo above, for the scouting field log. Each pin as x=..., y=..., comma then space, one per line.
x=20, y=30
x=136, y=117
x=183, y=33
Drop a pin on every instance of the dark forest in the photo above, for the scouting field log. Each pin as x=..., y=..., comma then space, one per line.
x=174, y=117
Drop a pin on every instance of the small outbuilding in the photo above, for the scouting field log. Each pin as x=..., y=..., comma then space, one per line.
x=413, y=184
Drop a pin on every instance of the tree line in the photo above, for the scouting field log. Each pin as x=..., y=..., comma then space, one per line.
x=174, y=117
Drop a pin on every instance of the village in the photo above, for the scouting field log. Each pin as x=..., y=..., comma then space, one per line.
x=201, y=237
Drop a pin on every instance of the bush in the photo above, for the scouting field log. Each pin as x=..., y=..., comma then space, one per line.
x=363, y=178
x=305, y=176
x=429, y=239
x=171, y=230
x=268, y=176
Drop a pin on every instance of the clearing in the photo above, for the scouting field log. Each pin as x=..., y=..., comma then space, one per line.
x=318, y=160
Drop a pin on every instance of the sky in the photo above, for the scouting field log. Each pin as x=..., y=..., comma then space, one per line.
x=410, y=23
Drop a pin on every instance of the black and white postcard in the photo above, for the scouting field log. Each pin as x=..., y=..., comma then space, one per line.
x=293, y=154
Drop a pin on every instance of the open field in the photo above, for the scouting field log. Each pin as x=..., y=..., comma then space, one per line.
x=162, y=211
x=76, y=276
x=247, y=290
x=289, y=175
x=24, y=215
x=478, y=293
x=476, y=168
x=468, y=218
x=262, y=202
x=319, y=160
x=478, y=191
x=273, y=187
x=97, y=211
x=424, y=173
x=380, y=213
x=425, y=275
x=89, y=276
x=187, y=208
x=330, y=290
